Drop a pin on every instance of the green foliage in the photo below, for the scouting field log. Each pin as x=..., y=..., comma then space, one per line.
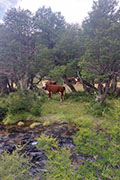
x=3, y=112
x=14, y=167
x=96, y=109
x=114, y=110
x=13, y=118
x=102, y=146
x=79, y=96
x=19, y=101
x=21, y=105
x=58, y=71
x=3, y=107
x=59, y=165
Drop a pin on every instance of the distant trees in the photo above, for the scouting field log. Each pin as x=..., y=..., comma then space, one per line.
x=45, y=45
x=17, y=47
x=25, y=41
x=101, y=60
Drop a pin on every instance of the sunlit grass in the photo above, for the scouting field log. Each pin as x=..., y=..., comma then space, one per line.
x=67, y=111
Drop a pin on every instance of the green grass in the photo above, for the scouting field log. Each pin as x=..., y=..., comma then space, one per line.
x=74, y=109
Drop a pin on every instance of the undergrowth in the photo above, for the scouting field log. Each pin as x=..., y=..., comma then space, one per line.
x=20, y=105
x=14, y=167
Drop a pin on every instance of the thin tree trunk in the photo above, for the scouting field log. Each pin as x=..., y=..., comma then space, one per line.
x=3, y=85
x=86, y=85
x=69, y=84
x=114, y=84
x=106, y=91
x=100, y=86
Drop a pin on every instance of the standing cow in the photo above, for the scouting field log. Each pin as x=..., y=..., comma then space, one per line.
x=53, y=89
x=51, y=82
x=73, y=79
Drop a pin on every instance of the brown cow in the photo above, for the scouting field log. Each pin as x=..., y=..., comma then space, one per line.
x=54, y=89
x=72, y=79
x=51, y=82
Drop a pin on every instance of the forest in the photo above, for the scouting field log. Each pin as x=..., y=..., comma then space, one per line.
x=43, y=46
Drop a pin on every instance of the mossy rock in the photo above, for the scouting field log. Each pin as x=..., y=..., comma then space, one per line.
x=34, y=124
x=20, y=123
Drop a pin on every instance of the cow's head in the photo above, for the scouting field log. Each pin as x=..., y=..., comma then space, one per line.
x=44, y=85
x=77, y=79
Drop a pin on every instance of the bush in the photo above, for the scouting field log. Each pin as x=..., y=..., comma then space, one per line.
x=19, y=101
x=114, y=110
x=79, y=96
x=14, y=167
x=3, y=112
x=102, y=149
x=21, y=105
x=59, y=166
x=96, y=109
x=3, y=107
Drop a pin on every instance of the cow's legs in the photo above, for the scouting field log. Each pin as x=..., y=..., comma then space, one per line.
x=61, y=96
x=49, y=95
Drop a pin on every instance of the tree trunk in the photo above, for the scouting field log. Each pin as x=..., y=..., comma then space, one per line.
x=114, y=84
x=86, y=85
x=106, y=91
x=100, y=86
x=3, y=85
x=10, y=85
x=23, y=82
x=69, y=84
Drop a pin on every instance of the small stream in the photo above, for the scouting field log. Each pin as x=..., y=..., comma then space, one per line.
x=12, y=135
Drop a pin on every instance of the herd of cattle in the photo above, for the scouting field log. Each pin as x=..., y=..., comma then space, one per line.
x=53, y=88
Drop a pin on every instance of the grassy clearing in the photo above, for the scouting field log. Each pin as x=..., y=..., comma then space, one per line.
x=73, y=110
x=66, y=111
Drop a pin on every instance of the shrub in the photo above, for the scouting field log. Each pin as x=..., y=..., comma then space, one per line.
x=3, y=112
x=3, y=107
x=19, y=101
x=59, y=166
x=96, y=109
x=79, y=96
x=14, y=167
x=21, y=105
x=114, y=110
x=35, y=108
x=102, y=149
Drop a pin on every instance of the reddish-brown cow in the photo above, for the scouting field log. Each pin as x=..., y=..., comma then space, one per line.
x=53, y=89
x=51, y=82
x=73, y=79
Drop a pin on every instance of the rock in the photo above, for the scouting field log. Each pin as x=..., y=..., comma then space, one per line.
x=26, y=137
x=38, y=156
x=67, y=142
x=20, y=123
x=1, y=151
x=34, y=124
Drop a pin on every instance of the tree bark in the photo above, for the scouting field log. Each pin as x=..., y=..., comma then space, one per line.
x=3, y=85
x=69, y=84
x=100, y=86
x=86, y=85
x=114, y=84
x=106, y=91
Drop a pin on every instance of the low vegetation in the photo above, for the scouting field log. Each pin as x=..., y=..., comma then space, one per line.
x=14, y=166
x=97, y=138
x=20, y=106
